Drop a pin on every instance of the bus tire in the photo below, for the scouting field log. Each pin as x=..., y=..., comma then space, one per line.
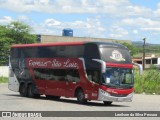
x=23, y=90
x=81, y=97
x=107, y=103
x=31, y=93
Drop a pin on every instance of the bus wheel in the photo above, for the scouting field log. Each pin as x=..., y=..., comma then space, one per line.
x=108, y=103
x=81, y=97
x=31, y=93
x=23, y=90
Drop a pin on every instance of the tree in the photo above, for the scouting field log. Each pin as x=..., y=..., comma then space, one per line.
x=4, y=45
x=20, y=33
x=14, y=33
x=132, y=48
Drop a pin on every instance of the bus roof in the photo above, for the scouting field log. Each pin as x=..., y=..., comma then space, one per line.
x=46, y=44
x=100, y=44
x=107, y=44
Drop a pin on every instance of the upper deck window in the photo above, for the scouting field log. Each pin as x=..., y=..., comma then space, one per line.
x=115, y=55
x=91, y=51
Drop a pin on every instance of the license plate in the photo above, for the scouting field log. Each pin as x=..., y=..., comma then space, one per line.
x=120, y=99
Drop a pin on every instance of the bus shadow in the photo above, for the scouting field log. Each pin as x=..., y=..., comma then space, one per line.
x=63, y=100
x=89, y=103
x=13, y=95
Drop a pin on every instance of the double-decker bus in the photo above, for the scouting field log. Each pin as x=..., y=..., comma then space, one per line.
x=85, y=70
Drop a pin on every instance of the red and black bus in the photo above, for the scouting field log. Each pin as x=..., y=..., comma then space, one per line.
x=85, y=70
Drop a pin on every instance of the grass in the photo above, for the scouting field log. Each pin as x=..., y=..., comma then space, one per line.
x=148, y=83
x=3, y=79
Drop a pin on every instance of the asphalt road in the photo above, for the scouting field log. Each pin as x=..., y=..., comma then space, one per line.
x=12, y=101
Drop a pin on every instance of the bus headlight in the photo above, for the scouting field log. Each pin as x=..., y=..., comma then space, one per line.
x=104, y=92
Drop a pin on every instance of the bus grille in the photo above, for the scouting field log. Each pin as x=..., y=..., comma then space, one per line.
x=118, y=95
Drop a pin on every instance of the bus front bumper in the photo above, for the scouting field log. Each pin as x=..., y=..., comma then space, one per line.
x=105, y=96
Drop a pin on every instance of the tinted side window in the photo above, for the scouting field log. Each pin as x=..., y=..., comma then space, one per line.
x=43, y=74
x=60, y=74
x=47, y=52
x=57, y=74
x=70, y=51
x=50, y=74
x=93, y=75
x=50, y=52
x=22, y=53
x=72, y=75
x=61, y=51
x=91, y=51
x=14, y=53
x=76, y=51
x=30, y=52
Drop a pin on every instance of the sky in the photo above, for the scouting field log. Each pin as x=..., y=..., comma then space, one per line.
x=112, y=19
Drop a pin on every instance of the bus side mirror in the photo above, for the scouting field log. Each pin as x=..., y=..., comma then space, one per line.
x=139, y=67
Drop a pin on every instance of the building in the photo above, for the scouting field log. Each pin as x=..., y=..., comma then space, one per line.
x=150, y=59
x=67, y=36
x=53, y=38
x=4, y=71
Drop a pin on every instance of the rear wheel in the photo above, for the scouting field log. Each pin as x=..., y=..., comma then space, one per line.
x=107, y=103
x=23, y=90
x=81, y=97
x=31, y=93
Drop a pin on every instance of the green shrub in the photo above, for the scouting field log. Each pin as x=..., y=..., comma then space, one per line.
x=3, y=79
x=149, y=82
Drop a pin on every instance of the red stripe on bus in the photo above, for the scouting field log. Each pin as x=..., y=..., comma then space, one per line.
x=119, y=65
x=47, y=44
x=117, y=91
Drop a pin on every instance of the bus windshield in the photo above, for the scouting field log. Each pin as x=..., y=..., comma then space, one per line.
x=118, y=77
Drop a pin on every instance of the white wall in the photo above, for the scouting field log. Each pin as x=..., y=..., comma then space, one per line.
x=4, y=71
x=158, y=61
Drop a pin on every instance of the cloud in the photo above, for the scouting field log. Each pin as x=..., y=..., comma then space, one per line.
x=140, y=22
x=135, y=31
x=5, y=20
x=117, y=18
x=91, y=27
x=157, y=11
x=140, y=26
x=155, y=29
x=52, y=23
x=23, y=18
x=118, y=8
x=135, y=10
x=118, y=32
x=40, y=29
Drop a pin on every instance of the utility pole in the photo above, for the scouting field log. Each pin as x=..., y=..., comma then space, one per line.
x=144, y=39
